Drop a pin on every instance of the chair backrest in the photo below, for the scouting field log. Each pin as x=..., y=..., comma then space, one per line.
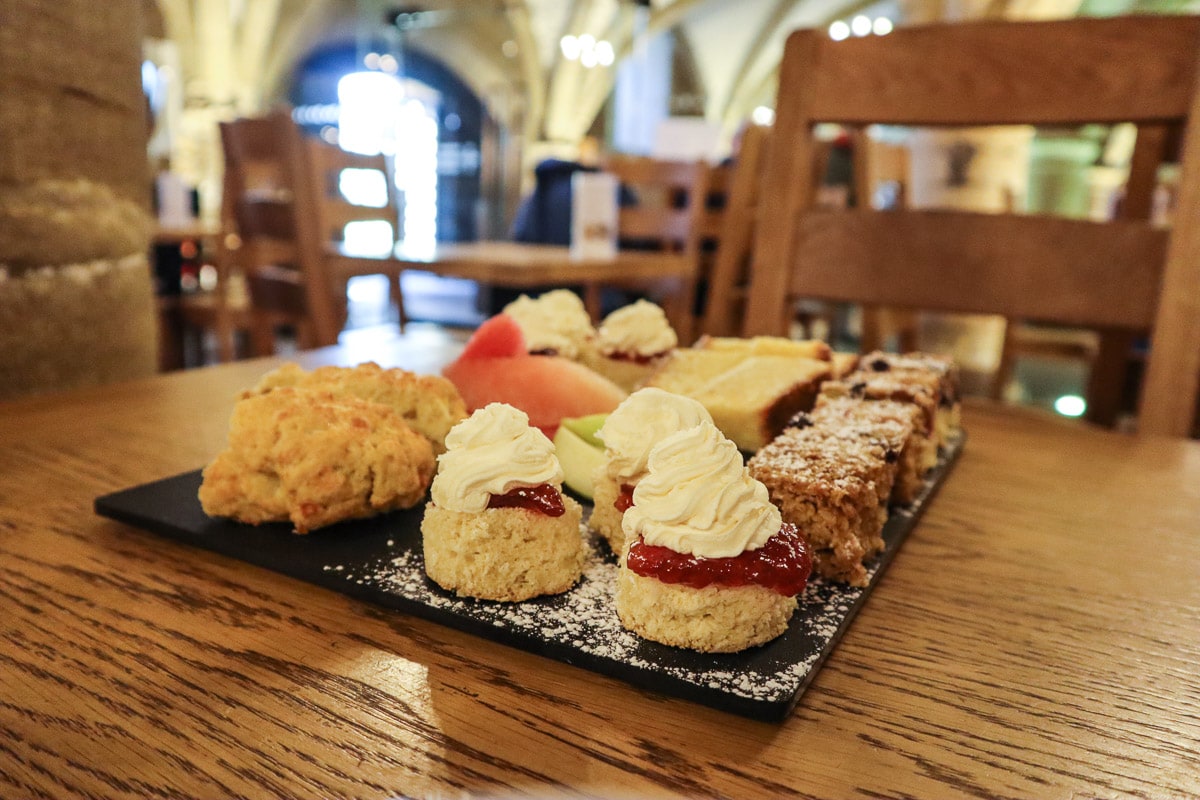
x=267, y=202
x=1072, y=72
x=732, y=225
x=259, y=191
x=257, y=205
x=660, y=200
x=333, y=172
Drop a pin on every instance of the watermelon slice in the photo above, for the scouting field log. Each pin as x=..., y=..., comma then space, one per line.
x=547, y=388
x=498, y=337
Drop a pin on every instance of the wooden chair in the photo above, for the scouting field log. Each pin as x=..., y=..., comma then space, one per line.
x=661, y=203
x=259, y=245
x=1122, y=276
x=731, y=227
x=325, y=206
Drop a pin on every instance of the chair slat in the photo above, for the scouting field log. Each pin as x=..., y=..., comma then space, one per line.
x=1068, y=271
x=1124, y=277
x=1118, y=70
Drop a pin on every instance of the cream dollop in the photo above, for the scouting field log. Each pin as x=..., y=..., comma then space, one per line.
x=642, y=420
x=698, y=498
x=640, y=328
x=493, y=451
x=554, y=321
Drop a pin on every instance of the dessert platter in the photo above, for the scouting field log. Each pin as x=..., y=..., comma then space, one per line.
x=646, y=530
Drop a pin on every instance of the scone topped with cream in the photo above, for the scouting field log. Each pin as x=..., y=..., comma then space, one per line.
x=554, y=323
x=642, y=420
x=498, y=526
x=710, y=566
x=630, y=342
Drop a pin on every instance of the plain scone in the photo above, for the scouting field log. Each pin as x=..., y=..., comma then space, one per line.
x=315, y=458
x=508, y=554
x=715, y=619
x=428, y=403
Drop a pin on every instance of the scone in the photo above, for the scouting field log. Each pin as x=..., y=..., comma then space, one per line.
x=498, y=526
x=315, y=458
x=629, y=433
x=711, y=566
x=555, y=323
x=428, y=403
x=630, y=343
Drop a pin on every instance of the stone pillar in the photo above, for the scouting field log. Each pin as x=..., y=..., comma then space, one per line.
x=77, y=304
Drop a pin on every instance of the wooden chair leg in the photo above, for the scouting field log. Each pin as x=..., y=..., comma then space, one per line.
x=906, y=324
x=872, y=335
x=591, y=301
x=1007, y=364
x=262, y=335
x=398, y=296
x=1106, y=381
x=226, y=347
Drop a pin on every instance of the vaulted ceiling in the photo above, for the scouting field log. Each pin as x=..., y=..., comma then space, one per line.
x=237, y=56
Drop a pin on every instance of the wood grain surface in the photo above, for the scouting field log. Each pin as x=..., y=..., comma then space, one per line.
x=1036, y=636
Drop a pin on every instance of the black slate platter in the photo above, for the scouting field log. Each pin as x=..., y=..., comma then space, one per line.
x=379, y=561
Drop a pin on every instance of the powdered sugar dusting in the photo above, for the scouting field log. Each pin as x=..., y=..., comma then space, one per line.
x=581, y=625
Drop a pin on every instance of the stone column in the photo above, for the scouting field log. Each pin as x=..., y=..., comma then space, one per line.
x=77, y=304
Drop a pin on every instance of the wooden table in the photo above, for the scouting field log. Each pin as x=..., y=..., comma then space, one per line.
x=517, y=265
x=1036, y=636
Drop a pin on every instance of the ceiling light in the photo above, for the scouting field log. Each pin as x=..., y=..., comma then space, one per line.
x=860, y=25
x=838, y=30
x=882, y=26
x=570, y=47
x=604, y=53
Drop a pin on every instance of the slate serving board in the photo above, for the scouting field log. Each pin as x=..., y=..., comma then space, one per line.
x=380, y=561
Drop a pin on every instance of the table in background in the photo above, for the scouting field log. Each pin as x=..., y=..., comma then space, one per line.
x=518, y=265
x=169, y=243
x=1036, y=636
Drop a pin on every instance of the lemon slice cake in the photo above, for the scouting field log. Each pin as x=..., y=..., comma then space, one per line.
x=750, y=397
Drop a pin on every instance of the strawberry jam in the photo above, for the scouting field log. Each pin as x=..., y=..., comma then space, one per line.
x=782, y=564
x=543, y=499
x=636, y=358
x=624, y=500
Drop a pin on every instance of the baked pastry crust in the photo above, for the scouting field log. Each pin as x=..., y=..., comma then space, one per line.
x=714, y=619
x=507, y=554
x=428, y=403
x=897, y=425
x=833, y=483
x=315, y=458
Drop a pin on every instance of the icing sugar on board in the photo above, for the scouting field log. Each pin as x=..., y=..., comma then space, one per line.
x=379, y=561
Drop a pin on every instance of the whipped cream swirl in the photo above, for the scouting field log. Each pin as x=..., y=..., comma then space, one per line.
x=554, y=321
x=698, y=498
x=640, y=422
x=640, y=329
x=493, y=451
